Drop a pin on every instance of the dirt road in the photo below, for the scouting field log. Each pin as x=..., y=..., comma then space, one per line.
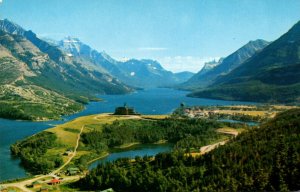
x=22, y=184
x=208, y=148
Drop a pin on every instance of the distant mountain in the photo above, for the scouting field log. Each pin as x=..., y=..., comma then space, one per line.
x=12, y=28
x=208, y=66
x=32, y=68
x=138, y=73
x=193, y=81
x=271, y=75
x=184, y=76
x=212, y=70
x=146, y=73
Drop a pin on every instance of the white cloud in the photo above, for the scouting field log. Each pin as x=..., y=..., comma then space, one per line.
x=152, y=48
x=1, y=1
x=185, y=63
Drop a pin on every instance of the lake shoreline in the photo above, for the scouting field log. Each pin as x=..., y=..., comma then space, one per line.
x=159, y=101
x=125, y=148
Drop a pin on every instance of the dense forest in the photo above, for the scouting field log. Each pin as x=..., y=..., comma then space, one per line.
x=185, y=133
x=253, y=91
x=31, y=151
x=261, y=159
x=6, y=111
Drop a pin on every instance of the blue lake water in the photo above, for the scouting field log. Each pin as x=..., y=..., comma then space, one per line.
x=250, y=123
x=132, y=152
x=152, y=101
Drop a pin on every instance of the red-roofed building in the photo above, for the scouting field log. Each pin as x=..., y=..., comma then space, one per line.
x=55, y=181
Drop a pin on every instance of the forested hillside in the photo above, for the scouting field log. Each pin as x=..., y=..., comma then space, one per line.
x=38, y=81
x=262, y=159
x=272, y=75
x=208, y=76
x=144, y=73
x=184, y=133
x=32, y=151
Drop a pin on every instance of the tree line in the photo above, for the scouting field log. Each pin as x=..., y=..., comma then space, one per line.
x=261, y=159
x=32, y=150
x=184, y=133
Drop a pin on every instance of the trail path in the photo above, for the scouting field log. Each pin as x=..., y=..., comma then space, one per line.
x=208, y=148
x=22, y=184
x=72, y=156
x=230, y=132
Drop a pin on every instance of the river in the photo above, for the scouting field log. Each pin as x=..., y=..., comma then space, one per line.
x=152, y=101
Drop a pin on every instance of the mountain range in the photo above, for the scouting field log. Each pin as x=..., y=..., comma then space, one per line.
x=270, y=75
x=38, y=80
x=44, y=79
x=213, y=70
x=144, y=73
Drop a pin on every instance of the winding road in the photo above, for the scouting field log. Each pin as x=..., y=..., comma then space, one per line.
x=208, y=148
x=22, y=184
x=72, y=156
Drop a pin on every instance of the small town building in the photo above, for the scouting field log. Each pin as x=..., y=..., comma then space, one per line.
x=125, y=110
x=68, y=152
x=55, y=181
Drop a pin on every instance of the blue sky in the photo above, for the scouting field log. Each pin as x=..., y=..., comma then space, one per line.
x=181, y=34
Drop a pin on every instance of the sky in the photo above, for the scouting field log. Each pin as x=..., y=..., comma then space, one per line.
x=181, y=34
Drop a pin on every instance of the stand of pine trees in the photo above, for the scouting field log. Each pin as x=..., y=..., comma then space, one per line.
x=262, y=159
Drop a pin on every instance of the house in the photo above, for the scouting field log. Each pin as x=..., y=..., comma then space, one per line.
x=72, y=171
x=36, y=184
x=68, y=152
x=125, y=110
x=55, y=181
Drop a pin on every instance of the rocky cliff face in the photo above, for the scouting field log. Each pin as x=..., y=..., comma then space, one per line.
x=207, y=77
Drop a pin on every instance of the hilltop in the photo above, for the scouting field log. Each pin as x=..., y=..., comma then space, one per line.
x=39, y=81
x=261, y=159
x=142, y=73
x=271, y=75
x=215, y=69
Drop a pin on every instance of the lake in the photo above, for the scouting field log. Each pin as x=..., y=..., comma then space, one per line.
x=132, y=152
x=151, y=101
x=250, y=123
